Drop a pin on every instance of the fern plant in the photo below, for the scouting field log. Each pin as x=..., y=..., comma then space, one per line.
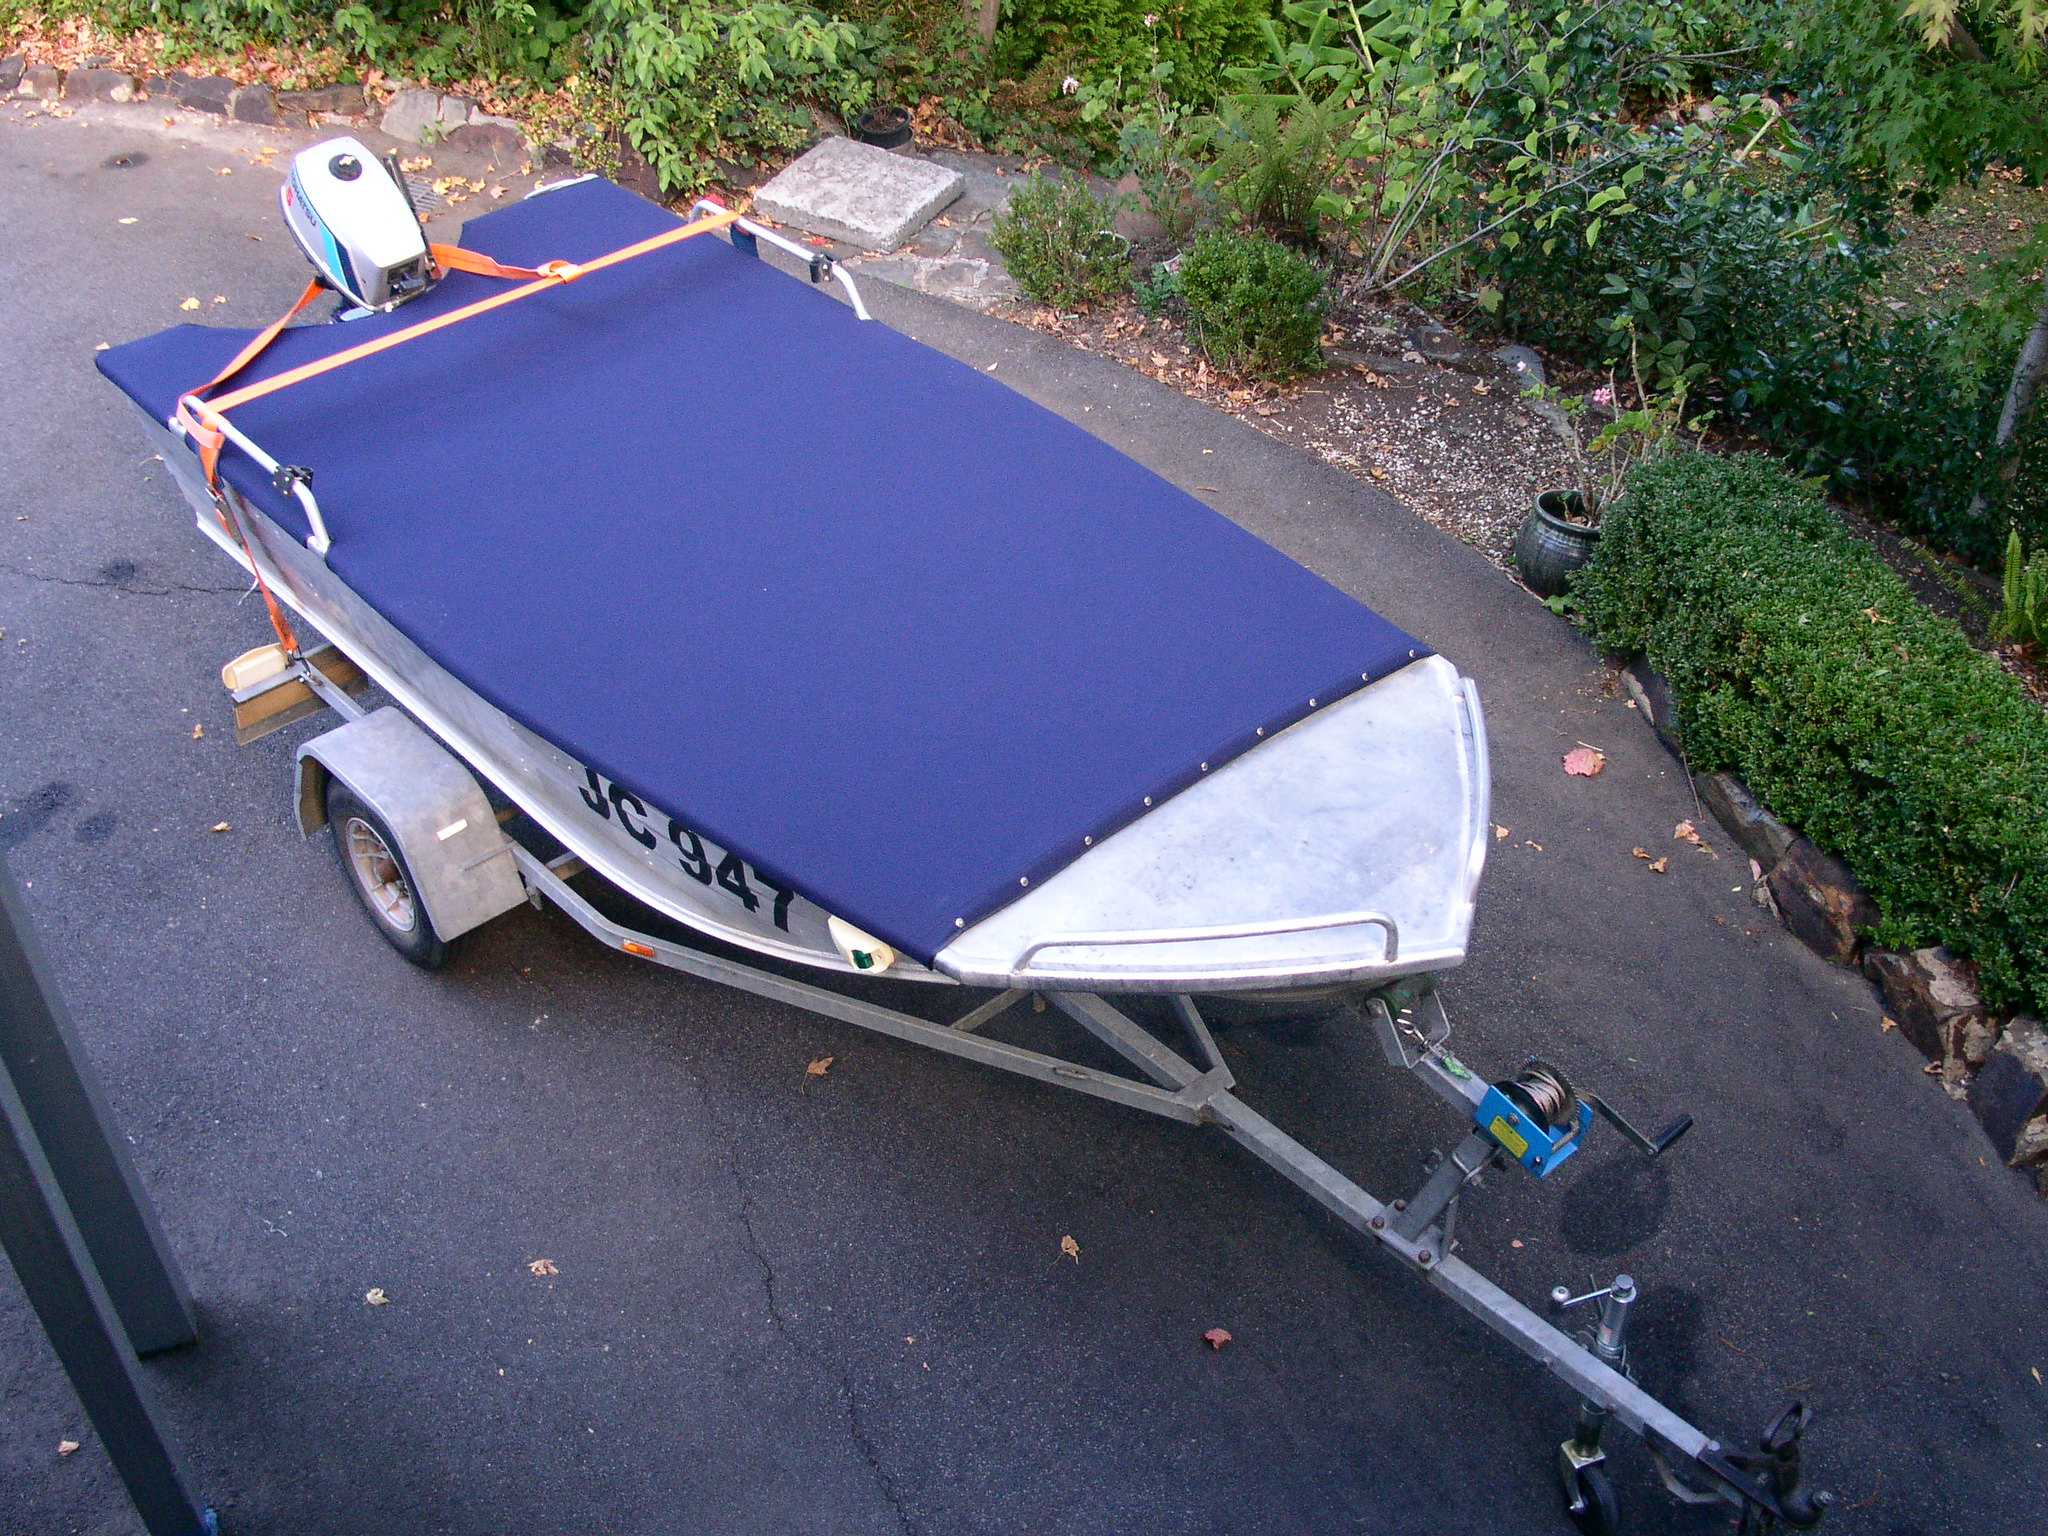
x=2025, y=619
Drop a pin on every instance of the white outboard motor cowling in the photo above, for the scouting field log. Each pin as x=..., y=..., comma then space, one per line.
x=356, y=223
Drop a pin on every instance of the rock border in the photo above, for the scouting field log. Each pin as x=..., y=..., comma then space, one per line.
x=414, y=114
x=1998, y=1064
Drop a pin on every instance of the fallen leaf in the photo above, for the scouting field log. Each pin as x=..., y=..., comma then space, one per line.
x=2037, y=1375
x=1584, y=762
x=1641, y=853
x=192, y=303
x=1658, y=866
x=375, y=1297
x=226, y=170
x=542, y=1268
x=1500, y=832
x=1756, y=870
x=819, y=1067
x=1537, y=846
x=1686, y=832
x=66, y=1447
x=1216, y=1338
x=1071, y=1249
x=1515, y=1242
x=220, y=826
x=220, y=298
x=1875, y=617
x=198, y=731
x=1887, y=1024
x=124, y=221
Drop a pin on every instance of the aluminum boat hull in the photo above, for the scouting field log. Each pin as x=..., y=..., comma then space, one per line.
x=1343, y=852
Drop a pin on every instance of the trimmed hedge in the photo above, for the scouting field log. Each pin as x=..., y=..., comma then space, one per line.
x=1255, y=307
x=1802, y=663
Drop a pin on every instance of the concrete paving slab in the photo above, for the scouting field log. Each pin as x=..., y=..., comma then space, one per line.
x=858, y=193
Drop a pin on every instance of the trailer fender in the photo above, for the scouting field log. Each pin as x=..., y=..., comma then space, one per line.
x=461, y=860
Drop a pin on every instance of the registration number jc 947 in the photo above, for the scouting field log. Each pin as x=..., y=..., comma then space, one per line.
x=703, y=862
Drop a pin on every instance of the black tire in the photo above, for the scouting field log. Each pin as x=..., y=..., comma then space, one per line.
x=367, y=850
x=1594, y=1508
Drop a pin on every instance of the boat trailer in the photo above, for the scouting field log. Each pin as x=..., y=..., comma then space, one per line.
x=1536, y=1118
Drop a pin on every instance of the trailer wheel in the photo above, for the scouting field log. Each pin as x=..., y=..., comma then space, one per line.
x=381, y=878
x=1592, y=1505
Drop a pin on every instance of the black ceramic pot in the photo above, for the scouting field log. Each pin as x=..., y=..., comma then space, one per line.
x=885, y=127
x=1548, y=548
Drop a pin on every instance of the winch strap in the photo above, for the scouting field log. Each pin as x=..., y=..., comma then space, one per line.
x=453, y=258
x=263, y=338
x=553, y=273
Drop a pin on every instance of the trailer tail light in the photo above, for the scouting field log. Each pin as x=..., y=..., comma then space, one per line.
x=633, y=947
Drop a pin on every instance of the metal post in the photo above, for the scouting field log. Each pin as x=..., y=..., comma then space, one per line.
x=66, y=1111
x=57, y=1273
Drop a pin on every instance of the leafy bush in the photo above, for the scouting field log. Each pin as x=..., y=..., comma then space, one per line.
x=1109, y=38
x=1253, y=305
x=1770, y=314
x=1056, y=239
x=693, y=80
x=2024, y=619
x=1802, y=663
x=1274, y=162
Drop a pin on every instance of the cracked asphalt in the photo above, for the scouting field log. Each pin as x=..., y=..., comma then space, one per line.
x=838, y=1304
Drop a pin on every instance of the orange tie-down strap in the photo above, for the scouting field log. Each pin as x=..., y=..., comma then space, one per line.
x=202, y=419
x=542, y=278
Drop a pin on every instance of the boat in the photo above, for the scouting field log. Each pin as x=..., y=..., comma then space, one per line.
x=847, y=661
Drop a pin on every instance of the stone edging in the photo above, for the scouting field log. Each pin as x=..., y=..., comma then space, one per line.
x=414, y=114
x=2000, y=1065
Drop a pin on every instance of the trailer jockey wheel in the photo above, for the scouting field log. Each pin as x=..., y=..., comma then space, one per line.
x=377, y=870
x=1591, y=1503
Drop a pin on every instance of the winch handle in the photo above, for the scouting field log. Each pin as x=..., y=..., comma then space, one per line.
x=1650, y=1146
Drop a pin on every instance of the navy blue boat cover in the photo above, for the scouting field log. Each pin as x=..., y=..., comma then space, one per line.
x=891, y=632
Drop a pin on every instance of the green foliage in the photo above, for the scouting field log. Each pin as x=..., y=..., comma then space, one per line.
x=691, y=80
x=1757, y=303
x=1254, y=306
x=1156, y=292
x=1055, y=238
x=1275, y=160
x=1802, y=663
x=1466, y=120
x=2024, y=620
x=1110, y=39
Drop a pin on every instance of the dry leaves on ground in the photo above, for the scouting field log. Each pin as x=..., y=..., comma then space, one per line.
x=375, y=1297
x=1071, y=1249
x=198, y=732
x=1216, y=1338
x=220, y=826
x=66, y=1447
x=1584, y=762
x=1657, y=866
x=541, y=1269
x=820, y=1067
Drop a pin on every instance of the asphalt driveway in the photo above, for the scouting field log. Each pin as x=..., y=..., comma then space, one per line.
x=839, y=1304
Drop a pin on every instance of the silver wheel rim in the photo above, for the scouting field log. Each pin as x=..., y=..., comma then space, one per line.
x=377, y=871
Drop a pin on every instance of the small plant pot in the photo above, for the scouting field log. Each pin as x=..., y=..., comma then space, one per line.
x=1549, y=546
x=884, y=127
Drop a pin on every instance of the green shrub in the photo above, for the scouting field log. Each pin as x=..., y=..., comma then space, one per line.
x=2024, y=619
x=1777, y=323
x=1253, y=305
x=1056, y=239
x=1802, y=663
x=1274, y=162
x=1102, y=38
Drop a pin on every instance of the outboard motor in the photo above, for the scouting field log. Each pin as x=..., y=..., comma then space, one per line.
x=355, y=220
